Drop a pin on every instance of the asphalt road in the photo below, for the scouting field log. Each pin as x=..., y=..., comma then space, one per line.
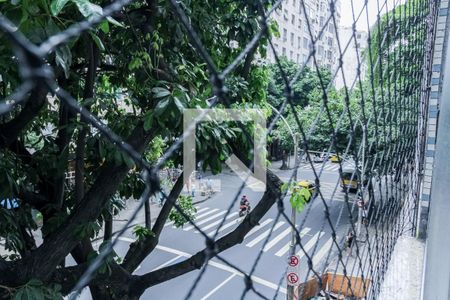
x=222, y=278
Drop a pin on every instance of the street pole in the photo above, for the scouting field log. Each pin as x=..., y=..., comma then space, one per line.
x=290, y=288
x=362, y=178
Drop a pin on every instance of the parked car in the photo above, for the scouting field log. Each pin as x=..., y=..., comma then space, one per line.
x=335, y=158
x=318, y=158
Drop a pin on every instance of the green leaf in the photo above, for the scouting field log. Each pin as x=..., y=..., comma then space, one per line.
x=64, y=59
x=57, y=5
x=88, y=9
x=97, y=41
x=104, y=26
x=159, y=92
x=148, y=122
x=162, y=106
x=115, y=22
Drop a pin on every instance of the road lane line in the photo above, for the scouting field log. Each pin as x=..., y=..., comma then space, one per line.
x=219, y=286
x=217, y=222
x=256, y=279
x=264, y=234
x=198, y=211
x=286, y=247
x=205, y=220
x=308, y=246
x=324, y=250
x=167, y=262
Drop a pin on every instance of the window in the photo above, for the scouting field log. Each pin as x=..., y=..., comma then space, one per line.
x=284, y=34
x=285, y=15
x=298, y=58
x=304, y=58
x=275, y=46
x=305, y=28
x=291, y=54
x=299, y=42
x=305, y=43
x=330, y=41
x=283, y=51
x=294, y=2
x=329, y=54
x=320, y=50
x=292, y=39
x=300, y=23
x=293, y=19
x=330, y=27
x=321, y=21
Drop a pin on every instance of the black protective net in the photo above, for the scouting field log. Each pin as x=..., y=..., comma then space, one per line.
x=372, y=122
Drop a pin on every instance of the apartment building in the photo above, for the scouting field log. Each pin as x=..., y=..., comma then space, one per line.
x=352, y=57
x=295, y=42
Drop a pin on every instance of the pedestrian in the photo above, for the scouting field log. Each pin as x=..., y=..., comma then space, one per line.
x=349, y=241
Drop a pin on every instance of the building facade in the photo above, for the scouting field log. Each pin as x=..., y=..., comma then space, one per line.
x=294, y=41
x=352, y=57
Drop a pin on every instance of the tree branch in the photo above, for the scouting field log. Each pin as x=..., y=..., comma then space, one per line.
x=11, y=130
x=60, y=242
x=140, y=249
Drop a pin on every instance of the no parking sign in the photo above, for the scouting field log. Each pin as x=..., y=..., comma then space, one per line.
x=292, y=275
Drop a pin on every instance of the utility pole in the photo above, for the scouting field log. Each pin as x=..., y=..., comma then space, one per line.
x=290, y=289
x=360, y=209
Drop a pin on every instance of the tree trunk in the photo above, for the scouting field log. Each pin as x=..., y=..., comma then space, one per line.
x=108, y=227
x=284, y=166
x=148, y=219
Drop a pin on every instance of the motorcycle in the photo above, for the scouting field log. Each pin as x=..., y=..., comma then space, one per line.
x=244, y=210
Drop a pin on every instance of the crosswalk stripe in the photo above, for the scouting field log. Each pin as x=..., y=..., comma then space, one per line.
x=264, y=234
x=217, y=222
x=322, y=252
x=225, y=226
x=286, y=247
x=206, y=213
x=256, y=228
x=308, y=246
x=198, y=211
x=205, y=220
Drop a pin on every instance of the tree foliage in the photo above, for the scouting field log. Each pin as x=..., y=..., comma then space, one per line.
x=136, y=71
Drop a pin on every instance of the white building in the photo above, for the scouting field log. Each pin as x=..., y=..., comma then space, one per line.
x=352, y=57
x=295, y=40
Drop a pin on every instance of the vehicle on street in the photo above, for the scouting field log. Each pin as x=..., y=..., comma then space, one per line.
x=350, y=179
x=318, y=158
x=335, y=158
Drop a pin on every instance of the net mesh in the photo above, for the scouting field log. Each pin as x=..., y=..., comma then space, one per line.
x=378, y=126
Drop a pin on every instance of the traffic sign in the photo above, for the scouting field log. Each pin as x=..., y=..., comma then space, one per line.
x=293, y=260
x=292, y=278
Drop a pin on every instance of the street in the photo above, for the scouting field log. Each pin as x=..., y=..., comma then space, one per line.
x=219, y=280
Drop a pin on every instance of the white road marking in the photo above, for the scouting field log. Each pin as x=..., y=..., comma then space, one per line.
x=264, y=234
x=204, y=220
x=225, y=226
x=258, y=227
x=308, y=246
x=322, y=252
x=206, y=213
x=217, y=222
x=256, y=279
x=219, y=286
x=286, y=247
x=167, y=262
